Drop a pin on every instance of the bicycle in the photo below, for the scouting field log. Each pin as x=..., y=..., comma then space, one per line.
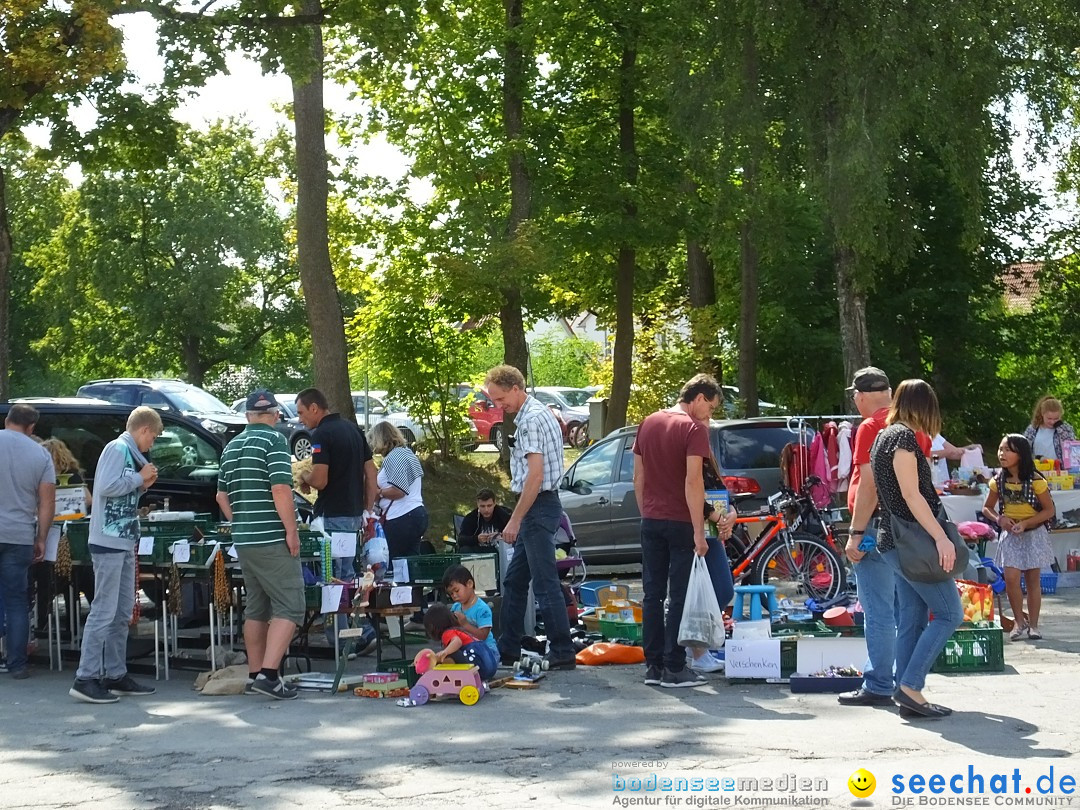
x=800, y=556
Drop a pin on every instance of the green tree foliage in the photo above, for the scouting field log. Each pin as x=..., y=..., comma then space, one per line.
x=178, y=269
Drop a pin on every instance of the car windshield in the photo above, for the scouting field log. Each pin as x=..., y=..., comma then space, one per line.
x=748, y=448
x=577, y=397
x=190, y=398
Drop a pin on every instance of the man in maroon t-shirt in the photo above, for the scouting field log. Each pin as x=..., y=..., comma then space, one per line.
x=669, y=456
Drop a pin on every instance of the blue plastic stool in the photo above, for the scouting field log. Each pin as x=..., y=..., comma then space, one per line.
x=755, y=603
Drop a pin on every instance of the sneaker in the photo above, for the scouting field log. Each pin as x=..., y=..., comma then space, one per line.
x=509, y=660
x=652, y=676
x=367, y=643
x=706, y=663
x=126, y=686
x=249, y=687
x=3, y=665
x=91, y=691
x=277, y=688
x=684, y=677
x=21, y=674
x=561, y=663
x=413, y=626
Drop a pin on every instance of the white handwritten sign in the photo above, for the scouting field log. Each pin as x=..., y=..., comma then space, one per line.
x=752, y=658
x=342, y=544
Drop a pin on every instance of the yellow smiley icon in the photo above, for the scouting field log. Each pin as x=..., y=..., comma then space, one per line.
x=861, y=783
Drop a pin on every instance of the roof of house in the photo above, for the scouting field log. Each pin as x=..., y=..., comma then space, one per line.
x=1021, y=284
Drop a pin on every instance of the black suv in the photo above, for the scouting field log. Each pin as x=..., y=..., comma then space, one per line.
x=169, y=395
x=186, y=454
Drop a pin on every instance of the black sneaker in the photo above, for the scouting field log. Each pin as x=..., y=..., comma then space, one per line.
x=561, y=663
x=684, y=677
x=126, y=686
x=653, y=676
x=277, y=688
x=249, y=687
x=367, y=644
x=509, y=660
x=91, y=691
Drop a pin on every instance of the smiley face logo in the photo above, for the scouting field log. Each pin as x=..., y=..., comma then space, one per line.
x=861, y=783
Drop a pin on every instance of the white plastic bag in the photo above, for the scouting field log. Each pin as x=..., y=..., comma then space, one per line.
x=377, y=552
x=702, y=622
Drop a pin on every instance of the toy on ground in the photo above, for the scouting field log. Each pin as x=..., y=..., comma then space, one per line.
x=530, y=664
x=448, y=680
x=383, y=685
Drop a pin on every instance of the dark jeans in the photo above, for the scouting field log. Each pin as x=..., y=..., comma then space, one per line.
x=667, y=554
x=534, y=561
x=403, y=534
x=15, y=560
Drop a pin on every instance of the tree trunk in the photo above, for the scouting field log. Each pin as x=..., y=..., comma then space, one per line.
x=511, y=317
x=748, y=254
x=748, y=313
x=329, y=352
x=623, y=352
x=852, y=306
x=5, y=292
x=194, y=369
x=701, y=282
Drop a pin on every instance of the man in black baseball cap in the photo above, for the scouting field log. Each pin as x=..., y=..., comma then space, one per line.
x=262, y=400
x=867, y=380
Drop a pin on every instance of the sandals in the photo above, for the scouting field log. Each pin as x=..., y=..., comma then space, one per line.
x=1018, y=633
x=1034, y=634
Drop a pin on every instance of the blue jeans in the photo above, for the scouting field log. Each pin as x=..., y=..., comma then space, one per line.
x=918, y=640
x=720, y=571
x=877, y=594
x=342, y=568
x=534, y=561
x=15, y=560
x=104, y=643
x=667, y=554
x=403, y=534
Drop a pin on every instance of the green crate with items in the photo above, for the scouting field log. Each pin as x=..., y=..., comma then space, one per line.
x=973, y=649
x=78, y=536
x=311, y=543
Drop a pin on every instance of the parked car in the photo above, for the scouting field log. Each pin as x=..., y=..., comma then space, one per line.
x=186, y=454
x=485, y=415
x=288, y=425
x=731, y=403
x=569, y=403
x=185, y=399
x=597, y=491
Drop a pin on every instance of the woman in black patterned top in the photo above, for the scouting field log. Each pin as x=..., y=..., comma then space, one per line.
x=905, y=487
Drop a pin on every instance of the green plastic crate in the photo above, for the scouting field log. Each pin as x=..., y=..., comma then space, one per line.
x=311, y=544
x=628, y=630
x=973, y=649
x=78, y=535
x=403, y=667
x=428, y=569
x=810, y=629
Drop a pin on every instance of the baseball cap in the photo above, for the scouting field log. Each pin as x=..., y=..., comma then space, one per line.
x=868, y=379
x=262, y=400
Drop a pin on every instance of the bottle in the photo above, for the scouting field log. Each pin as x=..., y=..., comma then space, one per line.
x=935, y=472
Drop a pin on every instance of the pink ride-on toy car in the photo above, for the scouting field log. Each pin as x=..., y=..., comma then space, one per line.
x=456, y=680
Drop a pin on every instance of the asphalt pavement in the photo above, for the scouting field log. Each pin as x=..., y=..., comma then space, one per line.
x=594, y=737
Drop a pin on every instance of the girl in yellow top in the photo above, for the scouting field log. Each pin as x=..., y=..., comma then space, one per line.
x=1019, y=502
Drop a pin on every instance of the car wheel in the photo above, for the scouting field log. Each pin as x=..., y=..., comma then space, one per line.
x=301, y=447
x=496, y=437
x=408, y=436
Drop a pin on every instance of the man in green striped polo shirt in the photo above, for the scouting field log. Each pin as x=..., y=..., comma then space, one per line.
x=255, y=493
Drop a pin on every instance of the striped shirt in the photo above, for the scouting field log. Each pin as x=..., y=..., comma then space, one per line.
x=537, y=431
x=403, y=469
x=252, y=463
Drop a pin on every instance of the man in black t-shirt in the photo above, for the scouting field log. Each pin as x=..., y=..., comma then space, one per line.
x=343, y=472
x=485, y=521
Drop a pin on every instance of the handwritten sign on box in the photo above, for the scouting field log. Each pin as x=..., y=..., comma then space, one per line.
x=753, y=658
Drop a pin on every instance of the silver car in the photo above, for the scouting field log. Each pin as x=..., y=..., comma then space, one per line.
x=597, y=491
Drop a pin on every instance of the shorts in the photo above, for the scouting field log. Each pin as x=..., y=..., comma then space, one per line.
x=273, y=581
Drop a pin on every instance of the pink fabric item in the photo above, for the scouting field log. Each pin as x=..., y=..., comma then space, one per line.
x=819, y=466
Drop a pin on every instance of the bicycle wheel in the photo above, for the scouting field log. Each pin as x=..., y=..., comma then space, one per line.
x=801, y=566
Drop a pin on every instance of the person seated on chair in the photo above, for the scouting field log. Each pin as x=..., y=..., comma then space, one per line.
x=484, y=522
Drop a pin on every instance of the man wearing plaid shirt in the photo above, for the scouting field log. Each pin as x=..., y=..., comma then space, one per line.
x=536, y=467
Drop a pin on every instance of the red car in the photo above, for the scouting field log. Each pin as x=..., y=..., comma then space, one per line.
x=487, y=417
